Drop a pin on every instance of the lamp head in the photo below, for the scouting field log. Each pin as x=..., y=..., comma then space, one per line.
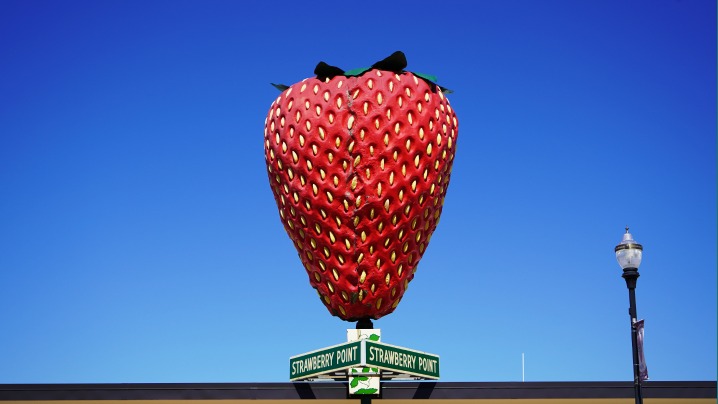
x=628, y=252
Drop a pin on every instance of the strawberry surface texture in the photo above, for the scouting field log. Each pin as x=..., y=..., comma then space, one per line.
x=359, y=166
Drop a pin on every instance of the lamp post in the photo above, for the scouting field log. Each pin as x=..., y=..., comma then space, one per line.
x=629, y=255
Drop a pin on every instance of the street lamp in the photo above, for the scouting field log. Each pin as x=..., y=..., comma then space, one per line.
x=629, y=254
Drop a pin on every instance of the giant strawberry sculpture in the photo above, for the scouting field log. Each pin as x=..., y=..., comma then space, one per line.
x=359, y=163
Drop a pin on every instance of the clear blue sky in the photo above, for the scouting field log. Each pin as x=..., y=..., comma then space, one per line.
x=139, y=240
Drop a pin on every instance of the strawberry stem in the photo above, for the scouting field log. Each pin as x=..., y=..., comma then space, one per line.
x=396, y=62
x=324, y=71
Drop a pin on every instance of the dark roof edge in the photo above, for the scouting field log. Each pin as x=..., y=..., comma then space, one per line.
x=338, y=390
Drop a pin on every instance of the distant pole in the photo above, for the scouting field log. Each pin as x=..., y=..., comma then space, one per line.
x=523, y=367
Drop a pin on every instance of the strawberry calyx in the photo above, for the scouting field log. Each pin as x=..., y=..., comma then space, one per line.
x=396, y=63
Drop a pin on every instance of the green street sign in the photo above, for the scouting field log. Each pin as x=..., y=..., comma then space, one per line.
x=403, y=360
x=367, y=354
x=337, y=357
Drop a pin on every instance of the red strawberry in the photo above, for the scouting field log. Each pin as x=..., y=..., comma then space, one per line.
x=359, y=165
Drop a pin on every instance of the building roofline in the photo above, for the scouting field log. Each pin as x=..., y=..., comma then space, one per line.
x=338, y=390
